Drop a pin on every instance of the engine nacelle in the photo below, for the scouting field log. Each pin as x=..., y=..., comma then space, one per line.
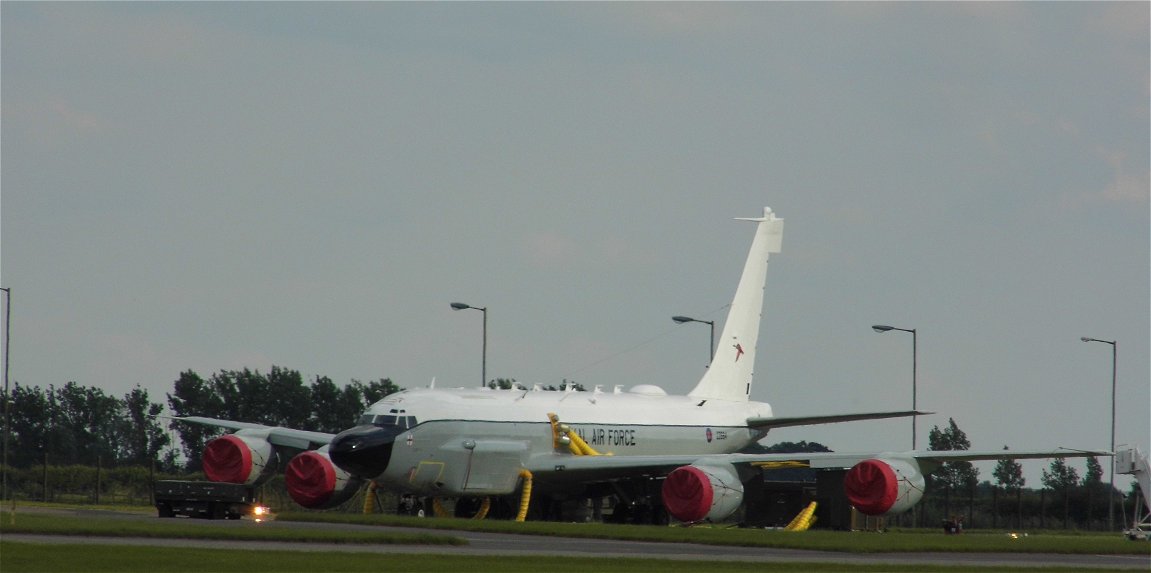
x=244, y=457
x=882, y=486
x=315, y=482
x=697, y=492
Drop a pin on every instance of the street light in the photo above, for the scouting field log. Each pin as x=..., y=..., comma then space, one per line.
x=711, y=323
x=7, y=396
x=1111, y=492
x=881, y=328
x=484, y=367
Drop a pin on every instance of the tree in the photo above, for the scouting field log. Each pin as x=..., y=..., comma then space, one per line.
x=1093, y=483
x=288, y=402
x=30, y=420
x=142, y=437
x=193, y=396
x=1062, y=479
x=952, y=476
x=801, y=446
x=84, y=425
x=328, y=407
x=375, y=390
x=1009, y=476
x=502, y=384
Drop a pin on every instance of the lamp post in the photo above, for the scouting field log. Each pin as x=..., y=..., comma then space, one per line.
x=1111, y=491
x=711, y=323
x=881, y=328
x=7, y=395
x=484, y=367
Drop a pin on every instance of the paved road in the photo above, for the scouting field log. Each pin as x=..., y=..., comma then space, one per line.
x=511, y=544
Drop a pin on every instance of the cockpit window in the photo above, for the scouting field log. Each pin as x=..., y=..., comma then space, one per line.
x=388, y=420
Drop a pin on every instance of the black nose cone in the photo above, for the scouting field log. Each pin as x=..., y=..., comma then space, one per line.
x=363, y=451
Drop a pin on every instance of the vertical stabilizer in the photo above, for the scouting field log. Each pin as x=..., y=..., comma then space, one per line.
x=730, y=373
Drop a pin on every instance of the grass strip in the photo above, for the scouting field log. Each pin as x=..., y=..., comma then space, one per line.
x=195, y=529
x=19, y=557
x=852, y=542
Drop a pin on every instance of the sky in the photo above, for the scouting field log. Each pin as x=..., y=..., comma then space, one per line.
x=216, y=186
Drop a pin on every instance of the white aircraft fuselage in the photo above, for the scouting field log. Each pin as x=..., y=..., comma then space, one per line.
x=643, y=421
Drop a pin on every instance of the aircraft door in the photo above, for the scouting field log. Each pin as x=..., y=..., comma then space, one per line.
x=494, y=467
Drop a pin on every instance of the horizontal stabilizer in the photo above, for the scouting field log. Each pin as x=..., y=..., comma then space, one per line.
x=769, y=423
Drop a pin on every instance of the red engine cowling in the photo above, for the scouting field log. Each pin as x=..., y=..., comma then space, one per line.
x=697, y=492
x=242, y=457
x=884, y=486
x=315, y=482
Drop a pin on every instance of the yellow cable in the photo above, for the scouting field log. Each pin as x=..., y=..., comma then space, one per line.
x=554, y=419
x=484, y=507
x=438, y=508
x=526, y=496
x=804, y=519
x=370, y=498
x=581, y=447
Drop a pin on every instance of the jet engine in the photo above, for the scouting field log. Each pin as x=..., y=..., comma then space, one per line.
x=243, y=457
x=315, y=482
x=697, y=492
x=881, y=486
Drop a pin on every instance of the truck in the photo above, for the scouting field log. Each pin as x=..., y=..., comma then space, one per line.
x=204, y=499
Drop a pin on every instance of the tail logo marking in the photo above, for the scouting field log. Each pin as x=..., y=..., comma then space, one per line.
x=738, y=351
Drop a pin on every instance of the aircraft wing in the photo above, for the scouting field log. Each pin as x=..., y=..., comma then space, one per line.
x=781, y=422
x=974, y=455
x=279, y=436
x=609, y=467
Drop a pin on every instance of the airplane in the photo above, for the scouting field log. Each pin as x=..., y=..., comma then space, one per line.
x=481, y=442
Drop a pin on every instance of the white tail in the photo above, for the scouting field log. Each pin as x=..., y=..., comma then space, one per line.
x=729, y=376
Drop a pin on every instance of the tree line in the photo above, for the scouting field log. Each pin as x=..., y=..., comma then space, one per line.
x=954, y=490
x=81, y=425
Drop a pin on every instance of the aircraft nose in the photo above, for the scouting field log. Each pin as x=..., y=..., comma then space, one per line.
x=363, y=451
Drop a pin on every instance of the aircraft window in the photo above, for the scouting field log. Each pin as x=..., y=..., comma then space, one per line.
x=412, y=421
x=381, y=420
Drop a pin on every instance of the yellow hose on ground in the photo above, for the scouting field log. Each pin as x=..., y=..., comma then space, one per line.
x=804, y=520
x=485, y=506
x=438, y=508
x=526, y=496
x=482, y=512
x=370, y=498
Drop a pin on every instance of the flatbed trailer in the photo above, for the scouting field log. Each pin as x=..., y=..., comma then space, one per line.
x=204, y=499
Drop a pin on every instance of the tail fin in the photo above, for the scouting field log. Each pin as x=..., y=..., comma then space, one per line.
x=729, y=376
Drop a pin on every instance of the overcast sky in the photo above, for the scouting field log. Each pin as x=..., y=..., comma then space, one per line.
x=214, y=186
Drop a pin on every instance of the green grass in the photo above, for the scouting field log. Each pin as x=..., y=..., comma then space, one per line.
x=195, y=529
x=146, y=509
x=856, y=542
x=16, y=557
